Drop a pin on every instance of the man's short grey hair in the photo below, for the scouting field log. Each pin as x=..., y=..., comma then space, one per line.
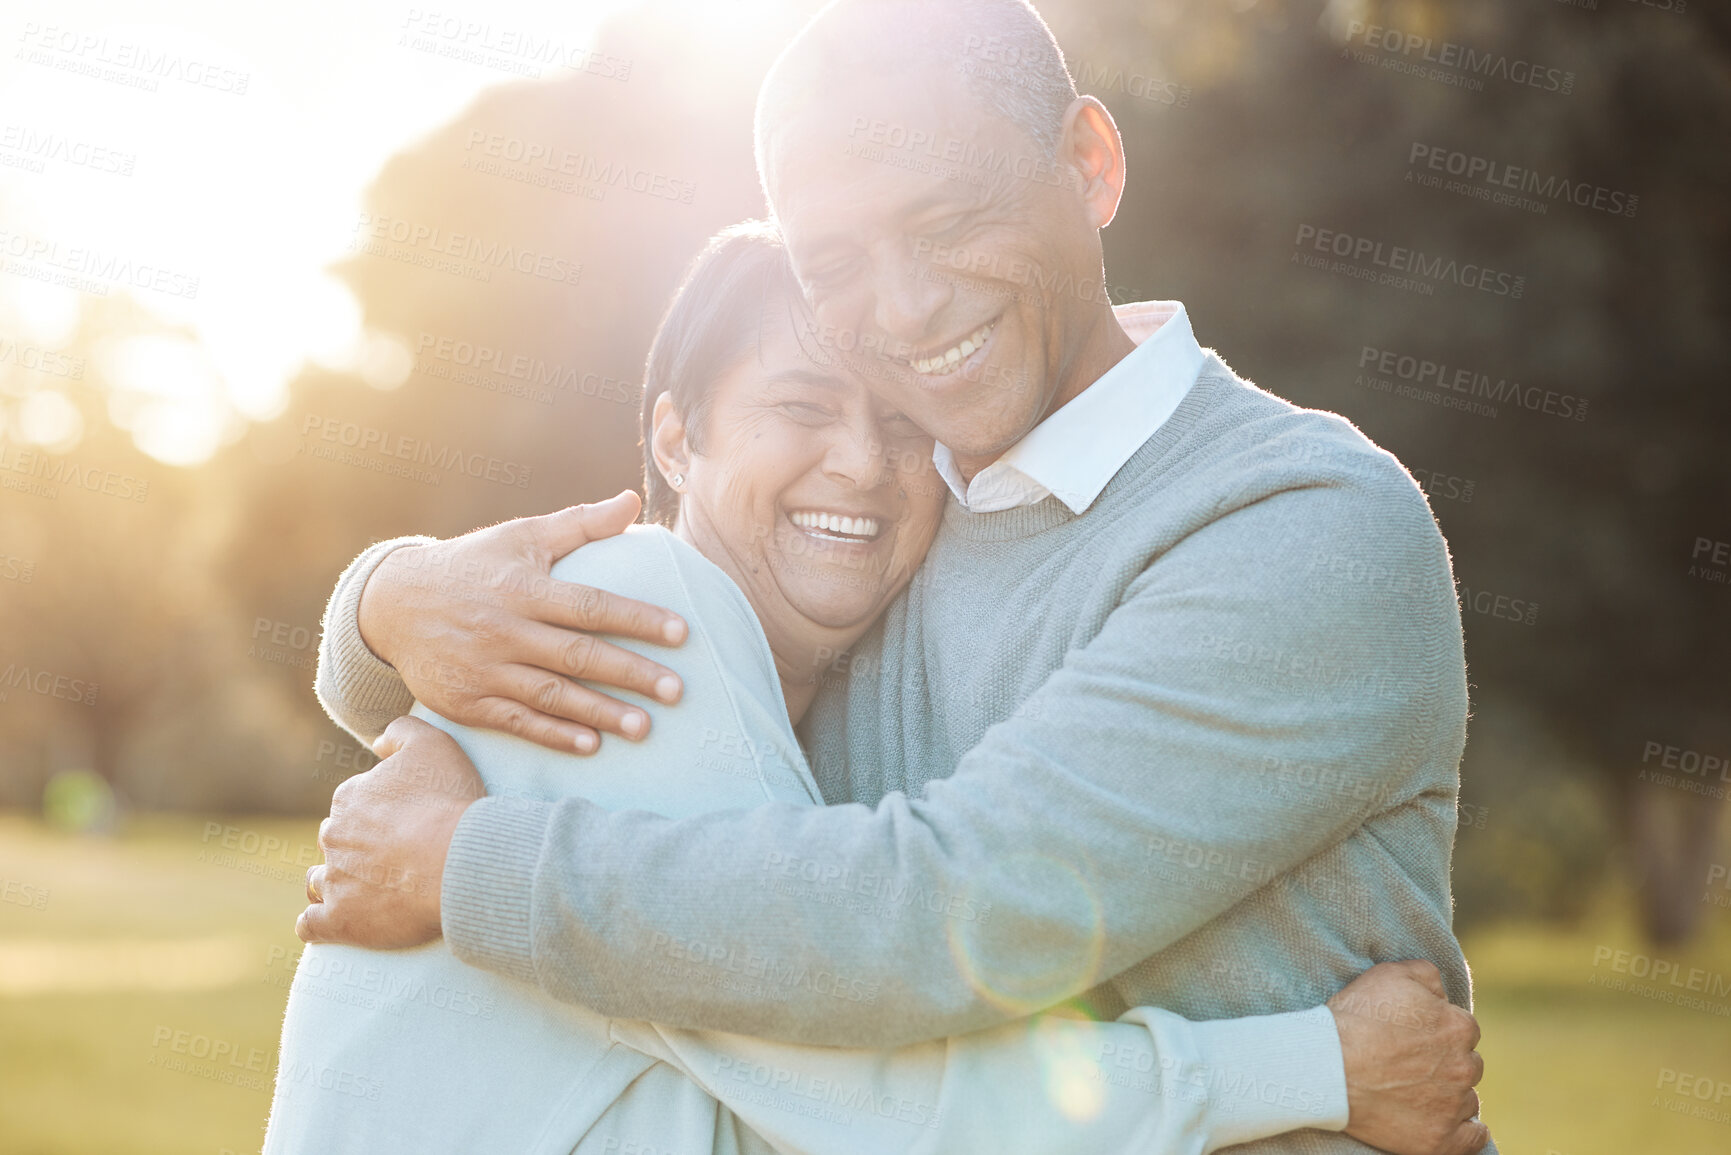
x=1008, y=57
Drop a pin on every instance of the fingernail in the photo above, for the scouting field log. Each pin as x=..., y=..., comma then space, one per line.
x=634, y=724
x=667, y=689
x=585, y=743
x=674, y=632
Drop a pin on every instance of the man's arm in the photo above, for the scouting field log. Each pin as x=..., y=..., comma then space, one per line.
x=1045, y=857
x=477, y=629
x=1389, y=1057
x=416, y=618
x=1389, y=1051
x=361, y=691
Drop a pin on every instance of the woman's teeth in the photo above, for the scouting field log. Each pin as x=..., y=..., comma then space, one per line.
x=950, y=358
x=835, y=523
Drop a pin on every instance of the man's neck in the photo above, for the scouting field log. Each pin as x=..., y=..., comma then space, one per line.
x=1106, y=344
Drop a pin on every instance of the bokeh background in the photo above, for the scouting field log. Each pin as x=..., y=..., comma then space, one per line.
x=227, y=230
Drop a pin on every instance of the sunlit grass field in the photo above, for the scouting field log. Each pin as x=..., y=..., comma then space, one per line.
x=163, y=941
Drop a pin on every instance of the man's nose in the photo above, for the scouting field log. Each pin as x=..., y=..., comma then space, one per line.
x=910, y=292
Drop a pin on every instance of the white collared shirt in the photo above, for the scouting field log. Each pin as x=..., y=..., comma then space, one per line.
x=1073, y=453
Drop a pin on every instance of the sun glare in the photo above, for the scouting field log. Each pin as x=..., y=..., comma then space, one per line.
x=217, y=190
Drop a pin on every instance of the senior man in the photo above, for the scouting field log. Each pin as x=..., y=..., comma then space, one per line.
x=1178, y=696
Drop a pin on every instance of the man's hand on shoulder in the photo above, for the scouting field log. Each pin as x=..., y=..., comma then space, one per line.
x=386, y=841
x=1411, y=1062
x=483, y=635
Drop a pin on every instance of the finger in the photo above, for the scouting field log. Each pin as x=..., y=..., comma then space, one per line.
x=1472, y=1030
x=315, y=883
x=582, y=655
x=1469, y=1138
x=594, y=660
x=398, y=734
x=581, y=607
x=513, y=717
x=1425, y=973
x=314, y=924
x=1471, y=1110
x=557, y=534
x=324, y=846
x=558, y=697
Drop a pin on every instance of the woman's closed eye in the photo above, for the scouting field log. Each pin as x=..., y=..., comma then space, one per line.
x=806, y=412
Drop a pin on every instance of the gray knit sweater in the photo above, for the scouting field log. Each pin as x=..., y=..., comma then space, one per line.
x=1195, y=748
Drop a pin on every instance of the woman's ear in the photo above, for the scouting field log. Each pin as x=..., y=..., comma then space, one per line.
x=668, y=441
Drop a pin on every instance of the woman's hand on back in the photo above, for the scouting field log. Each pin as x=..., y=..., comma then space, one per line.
x=483, y=635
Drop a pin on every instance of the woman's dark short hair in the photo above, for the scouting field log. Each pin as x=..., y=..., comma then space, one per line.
x=716, y=317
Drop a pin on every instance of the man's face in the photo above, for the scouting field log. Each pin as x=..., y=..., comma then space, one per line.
x=941, y=248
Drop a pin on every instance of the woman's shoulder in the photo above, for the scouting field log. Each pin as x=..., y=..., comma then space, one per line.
x=652, y=565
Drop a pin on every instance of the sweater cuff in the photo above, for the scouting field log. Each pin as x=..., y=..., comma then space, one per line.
x=488, y=883
x=358, y=689
x=1271, y=1074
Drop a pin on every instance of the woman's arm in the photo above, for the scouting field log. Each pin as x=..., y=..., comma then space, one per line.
x=1150, y=1083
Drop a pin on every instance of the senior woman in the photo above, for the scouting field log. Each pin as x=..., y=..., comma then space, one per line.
x=788, y=507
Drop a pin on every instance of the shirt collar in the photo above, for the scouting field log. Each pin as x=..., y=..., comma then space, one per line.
x=1073, y=453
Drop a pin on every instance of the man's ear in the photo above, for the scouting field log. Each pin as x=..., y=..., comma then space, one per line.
x=1091, y=145
x=668, y=440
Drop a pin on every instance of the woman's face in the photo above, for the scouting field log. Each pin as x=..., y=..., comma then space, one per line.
x=814, y=496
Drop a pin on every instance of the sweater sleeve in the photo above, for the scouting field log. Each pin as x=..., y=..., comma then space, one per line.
x=359, y=690
x=1144, y=789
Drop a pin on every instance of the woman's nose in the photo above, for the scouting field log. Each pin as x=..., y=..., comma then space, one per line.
x=857, y=455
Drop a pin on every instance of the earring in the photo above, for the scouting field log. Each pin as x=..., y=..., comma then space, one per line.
x=677, y=481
